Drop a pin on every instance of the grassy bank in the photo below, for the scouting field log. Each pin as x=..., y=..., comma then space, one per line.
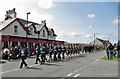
x=114, y=58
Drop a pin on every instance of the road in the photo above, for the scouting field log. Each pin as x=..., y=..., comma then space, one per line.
x=87, y=65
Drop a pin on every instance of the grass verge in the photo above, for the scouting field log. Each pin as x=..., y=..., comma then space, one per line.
x=114, y=58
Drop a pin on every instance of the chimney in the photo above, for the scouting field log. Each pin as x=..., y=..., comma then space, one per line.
x=10, y=14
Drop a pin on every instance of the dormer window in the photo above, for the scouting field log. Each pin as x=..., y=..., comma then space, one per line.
x=15, y=29
x=43, y=33
x=31, y=31
x=51, y=34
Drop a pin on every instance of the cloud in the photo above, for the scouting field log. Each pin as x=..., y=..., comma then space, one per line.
x=22, y=7
x=88, y=35
x=41, y=16
x=74, y=34
x=91, y=15
x=116, y=21
x=45, y=4
x=90, y=26
x=70, y=34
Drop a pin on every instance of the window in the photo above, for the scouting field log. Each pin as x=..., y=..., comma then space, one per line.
x=15, y=29
x=43, y=33
x=31, y=31
x=51, y=34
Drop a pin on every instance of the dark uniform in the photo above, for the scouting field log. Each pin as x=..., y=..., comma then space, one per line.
x=43, y=54
x=63, y=52
x=59, y=49
x=23, y=55
x=50, y=52
x=37, y=55
x=55, y=52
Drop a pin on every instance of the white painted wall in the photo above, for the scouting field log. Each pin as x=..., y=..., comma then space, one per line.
x=0, y=40
x=0, y=43
x=10, y=30
x=53, y=37
x=22, y=33
x=0, y=33
x=46, y=33
x=97, y=42
x=34, y=35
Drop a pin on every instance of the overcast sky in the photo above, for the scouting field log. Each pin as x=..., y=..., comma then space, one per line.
x=72, y=21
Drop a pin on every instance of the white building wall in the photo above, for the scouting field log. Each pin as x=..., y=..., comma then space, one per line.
x=0, y=40
x=41, y=34
x=22, y=33
x=0, y=43
x=97, y=42
x=52, y=38
x=34, y=35
x=0, y=33
x=10, y=30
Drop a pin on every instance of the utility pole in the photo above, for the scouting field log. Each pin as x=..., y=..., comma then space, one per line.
x=94, y=38
x=27, y=27
x=109, y=37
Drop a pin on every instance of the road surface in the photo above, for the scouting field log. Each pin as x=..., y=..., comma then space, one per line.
x=87, y=65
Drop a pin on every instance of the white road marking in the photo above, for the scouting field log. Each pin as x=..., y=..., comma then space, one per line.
x=76, y=71
x=69, y=74
x=95, y=60
x=103, y=57
x=81, y=69
x=9, y=71
x=76, y=75
x=84, y=66
x=15, y=69
x=60, y=62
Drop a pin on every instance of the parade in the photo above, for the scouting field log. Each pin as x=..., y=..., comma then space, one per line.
x=56, y=52
x=59, y=40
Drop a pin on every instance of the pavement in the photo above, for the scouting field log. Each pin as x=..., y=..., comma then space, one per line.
x=85, y=65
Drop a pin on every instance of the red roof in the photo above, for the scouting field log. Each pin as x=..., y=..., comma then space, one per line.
x=10, y=21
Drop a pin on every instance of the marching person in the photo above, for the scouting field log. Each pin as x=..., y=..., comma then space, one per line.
x=10, y=55
x=43, y=54
x=55, y=52
x=37, y=54
x=50, y=52
x=59, y=49
x=23, y=55
x=63, y=51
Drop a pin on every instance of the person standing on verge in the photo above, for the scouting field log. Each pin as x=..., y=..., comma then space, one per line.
x=111, y=50
x=118, y=49
x=107, y=52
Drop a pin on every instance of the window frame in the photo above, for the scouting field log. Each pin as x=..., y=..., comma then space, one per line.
x=15, y=29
